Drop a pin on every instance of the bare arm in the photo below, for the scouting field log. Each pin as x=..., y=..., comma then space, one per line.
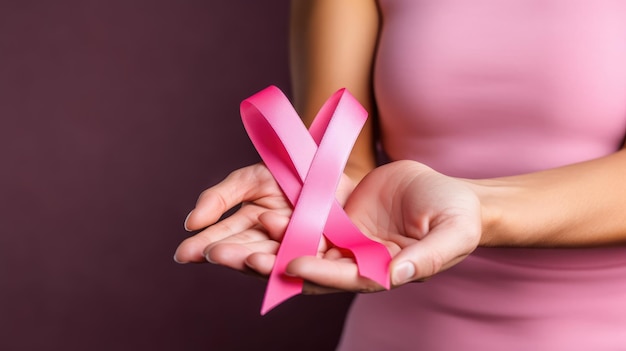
x=431, y=221
x=332, y=47
x=428, y=221
x=580, y=205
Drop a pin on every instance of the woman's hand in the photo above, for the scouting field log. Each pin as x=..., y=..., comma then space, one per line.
x=255, y=228
x=241, y=233
x=428, y=221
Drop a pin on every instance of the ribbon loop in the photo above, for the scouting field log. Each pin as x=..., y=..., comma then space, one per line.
x=307, y=165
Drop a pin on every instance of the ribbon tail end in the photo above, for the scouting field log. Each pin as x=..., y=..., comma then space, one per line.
x=279, y=289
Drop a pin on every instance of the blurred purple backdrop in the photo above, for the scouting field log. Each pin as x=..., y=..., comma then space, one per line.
x=114, y=116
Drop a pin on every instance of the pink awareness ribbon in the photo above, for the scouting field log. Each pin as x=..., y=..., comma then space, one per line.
x=307, y=165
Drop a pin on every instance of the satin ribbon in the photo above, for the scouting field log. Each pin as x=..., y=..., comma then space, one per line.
x=307, y=165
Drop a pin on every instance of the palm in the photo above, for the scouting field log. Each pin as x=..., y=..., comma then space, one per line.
x=252, y=233
x=241, y=233
x=420, y=215
x=413, y=204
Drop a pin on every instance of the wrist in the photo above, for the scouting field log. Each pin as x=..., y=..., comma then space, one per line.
x=495, y=198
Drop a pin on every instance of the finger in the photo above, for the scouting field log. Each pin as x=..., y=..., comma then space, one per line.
x=235, y=255
x=305, y=267
x=342, y=274
x=239, y=186
x=275, y=224
x=261, y=262
x=336, y=253
x=440, y=249
x=191, y=249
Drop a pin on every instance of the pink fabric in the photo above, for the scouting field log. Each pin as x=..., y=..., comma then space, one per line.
x=488, y=88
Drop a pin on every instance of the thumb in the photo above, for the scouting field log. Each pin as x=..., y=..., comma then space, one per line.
x=439, y=250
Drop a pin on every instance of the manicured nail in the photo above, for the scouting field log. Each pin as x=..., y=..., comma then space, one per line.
x=208, y=259
x=186, y=219
x=403, y=273
x=176, y=257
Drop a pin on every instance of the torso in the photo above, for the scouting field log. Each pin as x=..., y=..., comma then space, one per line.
x=488, y=88
x=485, y=88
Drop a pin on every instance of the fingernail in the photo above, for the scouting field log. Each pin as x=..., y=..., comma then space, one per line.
x=289, y=274
x=247, y=263
x=208, y=259
x=186, y=219
x=403, y=273
x=176, y=257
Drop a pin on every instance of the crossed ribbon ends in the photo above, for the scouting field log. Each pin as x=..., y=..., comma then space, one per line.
x=307, y=165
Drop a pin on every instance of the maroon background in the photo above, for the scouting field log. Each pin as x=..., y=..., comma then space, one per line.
x=114, y=115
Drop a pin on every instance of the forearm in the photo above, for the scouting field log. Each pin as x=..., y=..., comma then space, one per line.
x=580, y=205
x=332, y=45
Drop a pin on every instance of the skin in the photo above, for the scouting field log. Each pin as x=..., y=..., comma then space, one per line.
x=427, y=220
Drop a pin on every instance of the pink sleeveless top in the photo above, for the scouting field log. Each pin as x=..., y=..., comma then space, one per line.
x=487, y=88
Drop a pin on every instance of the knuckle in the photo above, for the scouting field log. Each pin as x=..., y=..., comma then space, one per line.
x=436, y=262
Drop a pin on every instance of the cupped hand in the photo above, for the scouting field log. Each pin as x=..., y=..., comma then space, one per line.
x=253, y=231
x=427, y=220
